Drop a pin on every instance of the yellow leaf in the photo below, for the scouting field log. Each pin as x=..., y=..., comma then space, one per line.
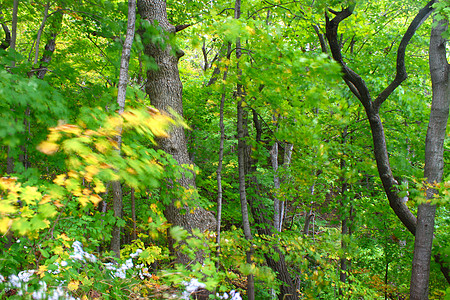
x=48, y=147
x=250, y=30
x=99, y=187
x=64, y=237
x=5, y=224
x=69, y=128
x=6, y=207
x=41, y=271
x=95, y=199
x=59, y=180
x=73, y=285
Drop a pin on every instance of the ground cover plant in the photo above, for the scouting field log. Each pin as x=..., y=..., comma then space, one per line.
x=158, y=149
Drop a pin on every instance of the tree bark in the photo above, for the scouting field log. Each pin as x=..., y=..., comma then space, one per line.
x=121, y=93
x=372, y=107
x=165, y=91
x=39, y=33
x=242, y=161
x=220, y=164
x=434, y=162
x=264, y=223
x=359, y=88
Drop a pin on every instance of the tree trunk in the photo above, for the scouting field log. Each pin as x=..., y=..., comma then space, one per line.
x=133, y=213
x=10, y=159
x=434, y=162
x=39, y=33
x=344, y=262
x=165, y=91
x=220, y=164
x=122, y=89
x=264, y=224
x=242, y=161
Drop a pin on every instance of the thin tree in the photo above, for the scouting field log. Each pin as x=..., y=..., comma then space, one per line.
x=220, y=164
x=121, y=93
x=242, y=161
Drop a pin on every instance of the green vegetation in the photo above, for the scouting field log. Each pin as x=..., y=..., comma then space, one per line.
x=274, y=137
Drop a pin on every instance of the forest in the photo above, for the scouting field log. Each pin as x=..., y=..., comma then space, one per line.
x=229, y=149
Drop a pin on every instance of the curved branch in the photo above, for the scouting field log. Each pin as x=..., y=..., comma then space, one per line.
x=353, y=80
x=359, y=88
x=5, y=44
x=401, y=75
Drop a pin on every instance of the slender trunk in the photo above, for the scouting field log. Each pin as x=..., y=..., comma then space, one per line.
x=133, y=213
x=276, y=182
x=288, y=147
x=242, y=190
x=241, y=161
x=344, y=219
x=264, y=223
x=434, y=162
x=122, y=89
x=50, y=45
x=117, y=208
x=14, y=31
x=39, y=34
x=219, y=167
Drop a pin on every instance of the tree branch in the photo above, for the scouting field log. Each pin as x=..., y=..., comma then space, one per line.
x=401, y=75
x=5, y=44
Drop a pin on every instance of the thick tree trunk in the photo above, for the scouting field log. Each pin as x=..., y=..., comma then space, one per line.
x=434, y=162
x=165, y=91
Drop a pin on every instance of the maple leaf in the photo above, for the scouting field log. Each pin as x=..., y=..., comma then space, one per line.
x=73, y=285
x=48, y=147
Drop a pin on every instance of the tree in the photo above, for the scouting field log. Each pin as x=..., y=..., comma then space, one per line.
x=434, y=162
x=121, y=93
x=372, y=107
x=165, y=91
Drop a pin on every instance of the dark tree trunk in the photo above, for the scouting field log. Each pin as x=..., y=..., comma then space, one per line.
x=165, y=91
x=241, y=123
x=265, y=225
x=372, y=107
x=434, y=162
x=344, y=262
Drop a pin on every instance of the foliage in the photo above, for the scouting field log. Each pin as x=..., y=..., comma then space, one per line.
x=60, y=136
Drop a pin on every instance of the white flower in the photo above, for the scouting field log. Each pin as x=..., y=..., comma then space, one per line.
x=63, y=263
x=77, y=256
x=136, y=254
x=15, y=281
x=129, y=263
x=90, y=257
x=120, y=273
x=25, y=276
